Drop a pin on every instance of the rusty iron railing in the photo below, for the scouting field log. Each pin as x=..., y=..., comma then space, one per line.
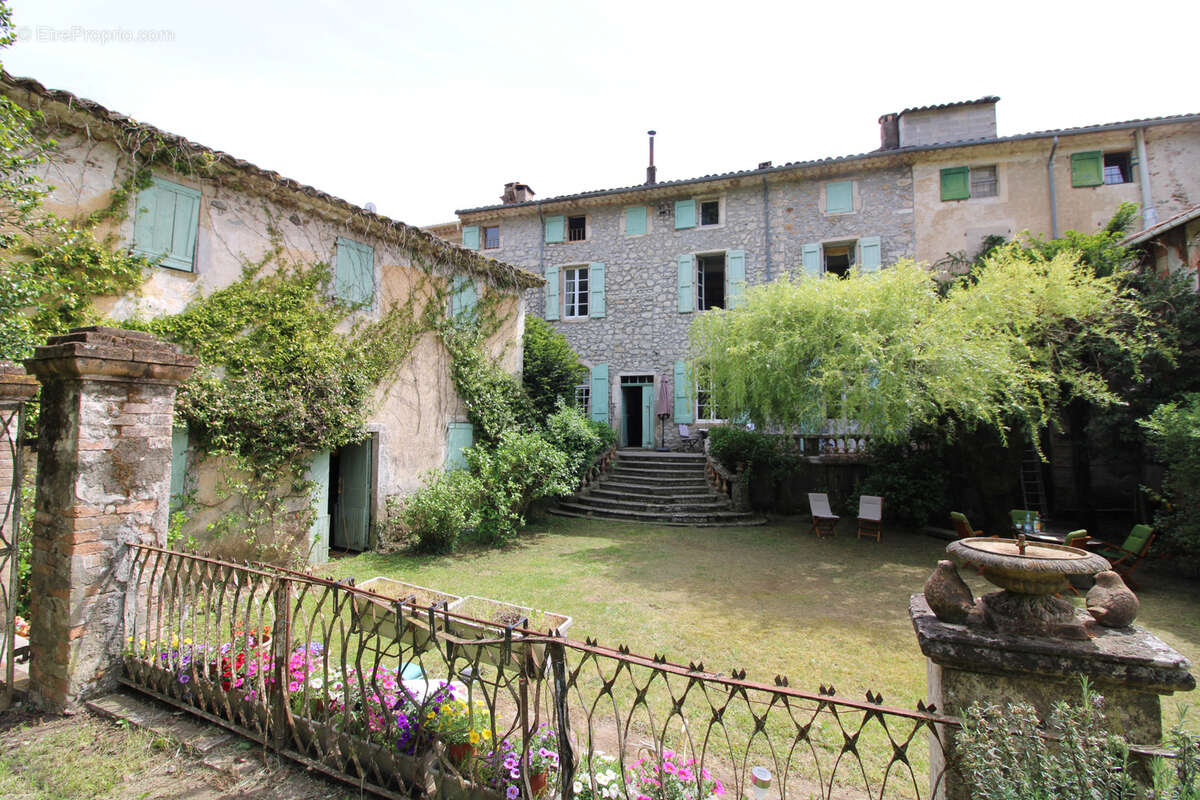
x=12, y=427
x=406, y=699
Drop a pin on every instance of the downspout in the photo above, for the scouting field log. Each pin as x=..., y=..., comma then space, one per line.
x=767, y=228
x=542, y=253
x=1050, y=177
x=1149, y=212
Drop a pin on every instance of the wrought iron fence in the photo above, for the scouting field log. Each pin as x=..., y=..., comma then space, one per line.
x=12, y=424
x=405, y=697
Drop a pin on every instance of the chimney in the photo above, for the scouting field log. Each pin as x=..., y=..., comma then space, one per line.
x=889, y=132
x=651, y=172
x=516, y=192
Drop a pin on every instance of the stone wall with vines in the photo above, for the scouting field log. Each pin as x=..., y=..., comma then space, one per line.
x=287, y=370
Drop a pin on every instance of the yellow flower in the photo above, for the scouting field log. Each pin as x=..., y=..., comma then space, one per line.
x=473, y=737
x=187, y=640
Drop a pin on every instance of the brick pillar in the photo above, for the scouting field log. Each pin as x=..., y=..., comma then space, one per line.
x=103, y=482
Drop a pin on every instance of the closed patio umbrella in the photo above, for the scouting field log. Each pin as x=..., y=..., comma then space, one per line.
x=662, y=409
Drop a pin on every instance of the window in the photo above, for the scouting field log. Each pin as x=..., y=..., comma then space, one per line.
x=838, y=257
x=691, y=213
x=583, y=398
x=459, y=437
x=710, y=212
x=1087, y=169
x=983, y=181
x=166, y=218
x=839, y=197
x=354, y=272
x=961, y=183
x=706, y=405
x=575, y=292
x=491, y=237
x=576, y=229
x=710, y=281
x=1117, y=168
x=635, y=220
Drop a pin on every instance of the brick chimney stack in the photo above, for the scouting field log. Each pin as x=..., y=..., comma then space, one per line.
x=889, y=132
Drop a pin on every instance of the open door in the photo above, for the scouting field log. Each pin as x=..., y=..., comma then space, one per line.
x=352, y=502
x=648, y=415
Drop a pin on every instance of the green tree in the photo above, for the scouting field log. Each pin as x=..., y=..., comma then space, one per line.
x=551, y=368
x=890, y=352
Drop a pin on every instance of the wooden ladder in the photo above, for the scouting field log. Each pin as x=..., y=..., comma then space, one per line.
x=1033, y=490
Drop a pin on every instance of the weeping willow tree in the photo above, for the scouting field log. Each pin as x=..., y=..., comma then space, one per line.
x=891, y=353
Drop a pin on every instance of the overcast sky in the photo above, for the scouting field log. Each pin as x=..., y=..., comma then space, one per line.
x=426, y=107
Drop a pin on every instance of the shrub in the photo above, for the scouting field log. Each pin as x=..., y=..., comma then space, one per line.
x=765, y=456
x=434, y=515
x=576, y=437
x=1173, y=430
x=607, y=436
x=551, y=369
x=913, y=482
x=519, y=469
x=1006, y=755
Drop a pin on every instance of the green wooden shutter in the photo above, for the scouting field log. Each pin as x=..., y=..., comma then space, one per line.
x=839, y=197
x=635, y=221
x=1087, y=169
x=459, y=437
x=555, y=229
x=354, y=272
x=463, y=297
x=685, y=214
x=647, y=415
x=811, y=258
x=551, y=292
x=956, y=183
x=600, y=393
x=596, y=307
x=179, y=450
x=471, y=237
x=684, y=413
x=735, y=272
x=870, y=254
x=318, y=532
x=166, y=219
x=685, y=283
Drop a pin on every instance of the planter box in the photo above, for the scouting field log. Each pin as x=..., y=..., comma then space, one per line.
x=377, y=618
x=493, y=616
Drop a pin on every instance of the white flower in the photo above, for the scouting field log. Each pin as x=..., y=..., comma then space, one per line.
x=578, y=787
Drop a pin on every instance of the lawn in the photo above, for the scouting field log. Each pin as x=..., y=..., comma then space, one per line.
x=772, y=600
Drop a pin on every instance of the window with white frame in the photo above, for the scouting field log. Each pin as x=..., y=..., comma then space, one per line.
x=706, y=404
x=575, y=292
x=583, y=399
x=491, y=237
x=710, y=281
x=710, y=212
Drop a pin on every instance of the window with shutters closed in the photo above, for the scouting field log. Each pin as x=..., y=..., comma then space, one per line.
x=965, y=183
x=839, y=197
x=165, y=224
x=354, y=272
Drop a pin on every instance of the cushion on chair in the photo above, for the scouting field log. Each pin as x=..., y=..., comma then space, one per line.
x=1135, y=542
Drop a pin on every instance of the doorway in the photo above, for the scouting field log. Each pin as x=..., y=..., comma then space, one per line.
x=351, y=490
x=637, y=411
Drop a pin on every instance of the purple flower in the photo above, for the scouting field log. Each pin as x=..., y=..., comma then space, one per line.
x=184, y=678
x=512, y=792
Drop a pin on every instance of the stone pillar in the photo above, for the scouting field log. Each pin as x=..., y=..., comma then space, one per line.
x=1130, y=667
x=103, y=482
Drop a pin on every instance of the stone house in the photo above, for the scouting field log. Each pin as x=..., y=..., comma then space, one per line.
x=627, y=269
x=210, y=223
x=1172, y=246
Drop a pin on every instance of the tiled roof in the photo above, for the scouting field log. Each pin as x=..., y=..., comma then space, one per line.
x=991, y=98
x=409, y=236
x=1182, y=218
x=836, y=160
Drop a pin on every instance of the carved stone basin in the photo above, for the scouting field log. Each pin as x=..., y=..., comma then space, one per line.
x=1033, y=569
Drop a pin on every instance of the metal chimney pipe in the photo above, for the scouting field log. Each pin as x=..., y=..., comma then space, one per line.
x=651, y=172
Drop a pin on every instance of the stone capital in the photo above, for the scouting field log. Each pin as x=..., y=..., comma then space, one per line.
x=15, y=384
x=114, y=354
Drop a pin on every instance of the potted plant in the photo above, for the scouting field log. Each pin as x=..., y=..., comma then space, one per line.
x=491, y=617
x=377, y=617
x=463, y=726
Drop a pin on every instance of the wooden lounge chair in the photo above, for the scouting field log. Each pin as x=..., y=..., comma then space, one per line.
x=870, y=516
x=1125, y=557
x=824, y=521
x=962, y=527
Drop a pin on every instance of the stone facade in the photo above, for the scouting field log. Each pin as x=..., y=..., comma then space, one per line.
x=642, y=331
x=242, y=215
x=104, y=466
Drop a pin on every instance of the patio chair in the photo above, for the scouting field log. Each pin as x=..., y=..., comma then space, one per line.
x=1078, y=583
x=870, y=516
x=689, y=440
x=962, y=527
x=824, y=521
x=1126, y=556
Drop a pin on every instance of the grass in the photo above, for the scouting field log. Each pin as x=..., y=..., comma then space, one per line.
x=772, y=600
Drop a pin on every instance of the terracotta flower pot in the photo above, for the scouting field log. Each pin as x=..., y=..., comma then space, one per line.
x=537, y=783
x=460, y=752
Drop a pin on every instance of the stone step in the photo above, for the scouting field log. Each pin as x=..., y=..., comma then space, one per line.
x=712, y=519
x=637, y=493
x=656, y=505
x=637, y=487
x=668, y=459
x=650, y=476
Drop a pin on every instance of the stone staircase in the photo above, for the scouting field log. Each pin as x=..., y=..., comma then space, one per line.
x=660, y=488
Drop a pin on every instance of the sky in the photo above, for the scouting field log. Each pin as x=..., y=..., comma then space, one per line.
x=427, y=107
